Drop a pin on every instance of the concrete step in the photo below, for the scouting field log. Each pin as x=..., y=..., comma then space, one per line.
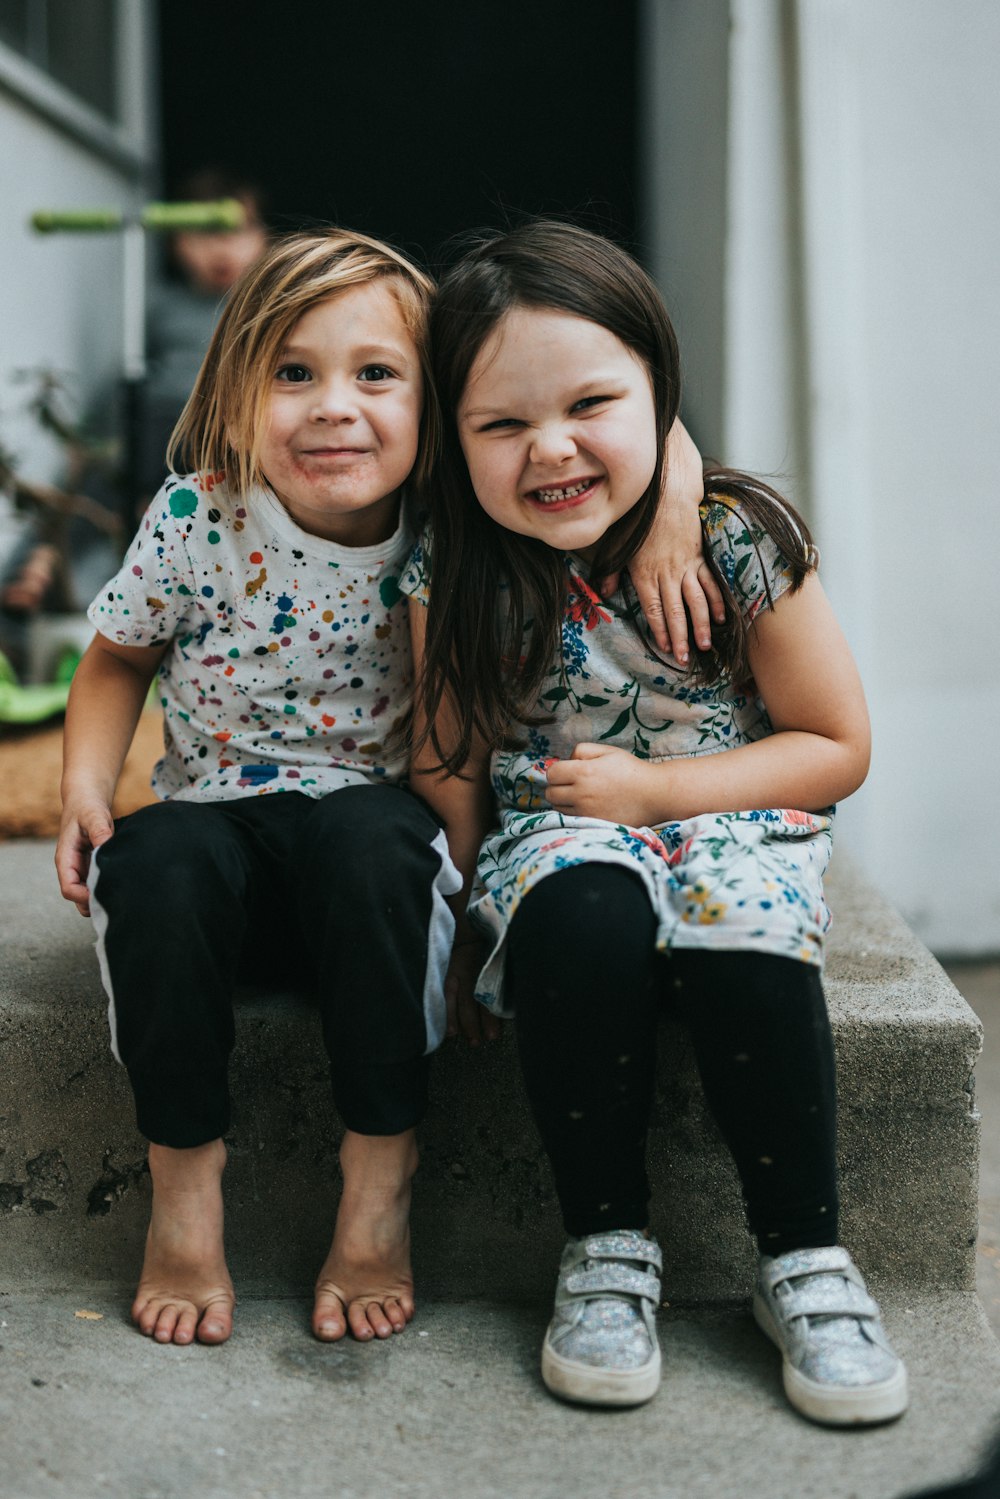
x=74, y=1192
x=455, y=1406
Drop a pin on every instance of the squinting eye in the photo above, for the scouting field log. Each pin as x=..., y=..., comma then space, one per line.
x=589, y=401
x=293, y=374
x=503, y=422
x=374, y=374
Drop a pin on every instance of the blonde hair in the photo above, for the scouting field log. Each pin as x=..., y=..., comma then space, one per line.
x=222, y=424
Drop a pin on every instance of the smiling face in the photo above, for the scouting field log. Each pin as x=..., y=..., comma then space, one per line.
x=558, y=428
x=344, y=416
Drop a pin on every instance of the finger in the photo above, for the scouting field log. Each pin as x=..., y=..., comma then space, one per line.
x=609, y=585
x=451, y=1006
x=587, y=751
x=468, y=1020
x=71, y=869
x=491, y=1025
x=564, y=799
x=560, y=772
x=713, y=592
x=701, y=624
x=677, y=627
x=98, y=828
x=651, y=603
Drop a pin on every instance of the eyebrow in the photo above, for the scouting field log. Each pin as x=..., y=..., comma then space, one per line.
x=602, y=384
x=394, y=352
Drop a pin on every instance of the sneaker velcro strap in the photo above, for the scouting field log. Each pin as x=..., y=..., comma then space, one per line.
x=623, y=1246
x=831, y=1261
x=831, y=1300
x=613, y=1278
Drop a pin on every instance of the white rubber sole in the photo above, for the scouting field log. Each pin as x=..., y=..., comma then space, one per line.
x=865, y=1405
x=589, y=1385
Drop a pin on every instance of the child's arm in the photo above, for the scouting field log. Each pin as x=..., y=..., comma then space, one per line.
x=669, y=572
x=818, y=754
x=464, y=805
x=105, y=700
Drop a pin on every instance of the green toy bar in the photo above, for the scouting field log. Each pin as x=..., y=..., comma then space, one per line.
x=34, y=703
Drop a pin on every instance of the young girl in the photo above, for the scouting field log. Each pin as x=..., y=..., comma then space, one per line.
x=645, y=856
x=264, y=591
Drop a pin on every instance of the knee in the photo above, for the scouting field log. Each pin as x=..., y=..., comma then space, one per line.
x=354, y=834
x=164, y=856
x=583, y=930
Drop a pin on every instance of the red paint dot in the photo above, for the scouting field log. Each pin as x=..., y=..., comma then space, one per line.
x=256, y=557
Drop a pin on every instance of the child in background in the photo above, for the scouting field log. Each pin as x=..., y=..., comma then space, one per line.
x=663, y=833
x=264, y=591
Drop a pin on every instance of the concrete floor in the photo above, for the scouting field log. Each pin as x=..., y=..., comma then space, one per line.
x=980, y=984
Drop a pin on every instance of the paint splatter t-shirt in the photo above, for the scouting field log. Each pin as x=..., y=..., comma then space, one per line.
x=288, y=657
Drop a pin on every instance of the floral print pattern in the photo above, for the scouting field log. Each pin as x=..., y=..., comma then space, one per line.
x=728, y=880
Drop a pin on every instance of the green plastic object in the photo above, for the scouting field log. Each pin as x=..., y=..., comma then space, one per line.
x=28, y=705
x=77, y=220
x=164, y=218
x=226, y=213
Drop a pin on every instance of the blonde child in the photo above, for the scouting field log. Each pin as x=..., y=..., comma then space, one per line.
x=263, y=590
x=662, y=832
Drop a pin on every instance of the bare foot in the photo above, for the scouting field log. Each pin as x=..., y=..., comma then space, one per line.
x=185, y=1290
x=366, y=1284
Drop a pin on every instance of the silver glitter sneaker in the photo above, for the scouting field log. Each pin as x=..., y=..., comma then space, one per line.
x=600, y=1347
x=838, y=1366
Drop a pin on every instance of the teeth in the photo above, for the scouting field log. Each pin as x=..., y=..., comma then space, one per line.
x=549, y=496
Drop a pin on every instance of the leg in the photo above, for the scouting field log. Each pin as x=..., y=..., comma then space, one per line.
x=370, y=880
x=184, y=868
x=580, y=968
x=764, y=1047
x=765, y=1052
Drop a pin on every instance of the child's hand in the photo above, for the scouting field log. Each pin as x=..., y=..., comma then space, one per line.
x=466, y=1016
x=669, y=572
x=602, y=781
x=85, y=826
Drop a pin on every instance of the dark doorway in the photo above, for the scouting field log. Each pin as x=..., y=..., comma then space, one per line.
x=409, y=121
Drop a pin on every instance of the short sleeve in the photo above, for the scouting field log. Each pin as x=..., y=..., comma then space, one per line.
x=415, y=579
x=756, y=571
x=153, y=595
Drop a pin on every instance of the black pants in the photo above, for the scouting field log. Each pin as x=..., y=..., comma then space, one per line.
x=343, y=896
x=589, y=987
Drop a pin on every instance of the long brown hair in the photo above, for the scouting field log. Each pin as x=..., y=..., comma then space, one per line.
x=496, y=596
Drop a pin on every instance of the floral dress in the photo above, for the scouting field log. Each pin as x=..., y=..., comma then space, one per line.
x=750, y=880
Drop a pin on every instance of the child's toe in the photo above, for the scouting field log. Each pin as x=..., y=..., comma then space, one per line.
x=185, y=1325
x=165, y=1322
x=328, y=1322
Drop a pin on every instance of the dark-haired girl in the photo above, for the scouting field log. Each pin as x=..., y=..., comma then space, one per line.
x=662, y=832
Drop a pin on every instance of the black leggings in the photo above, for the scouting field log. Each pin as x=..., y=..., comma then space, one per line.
x=588, y=988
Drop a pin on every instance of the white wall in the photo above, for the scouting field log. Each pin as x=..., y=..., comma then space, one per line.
x=859, y=206
x=59, y=294
x=901, y=118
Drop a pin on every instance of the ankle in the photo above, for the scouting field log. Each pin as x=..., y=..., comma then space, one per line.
x=190, y=1168
x=378, y=1162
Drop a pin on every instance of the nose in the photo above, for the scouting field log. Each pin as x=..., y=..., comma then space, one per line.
x=552, y=444
x=333, y=401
